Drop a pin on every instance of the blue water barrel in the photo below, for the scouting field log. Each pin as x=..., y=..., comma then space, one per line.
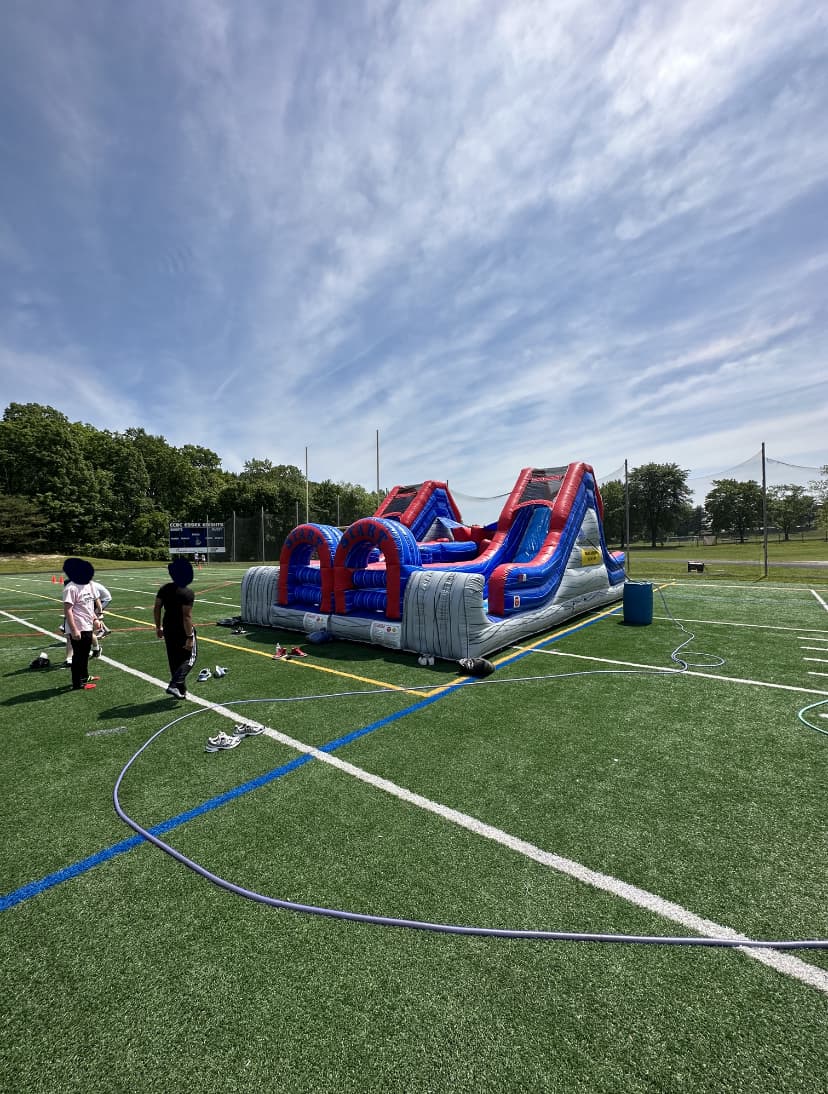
x=638, y=603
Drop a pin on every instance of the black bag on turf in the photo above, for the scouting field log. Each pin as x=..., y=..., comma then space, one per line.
x=476, y=666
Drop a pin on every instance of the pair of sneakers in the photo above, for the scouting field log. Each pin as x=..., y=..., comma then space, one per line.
x=282, y=654
x=205, y=674
x=224, y=741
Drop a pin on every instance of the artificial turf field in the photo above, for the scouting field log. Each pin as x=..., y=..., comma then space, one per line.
x=621, y=801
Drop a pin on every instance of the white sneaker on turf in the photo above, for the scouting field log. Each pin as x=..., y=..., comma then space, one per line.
x=221, y=741
x=220, y=670
x=205, y=674
x=245, y=730
x=176, y=694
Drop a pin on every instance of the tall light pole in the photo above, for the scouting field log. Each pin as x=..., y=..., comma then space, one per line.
x=764, y=511
x=626, y=517
x=378, y=477
x=307, y=489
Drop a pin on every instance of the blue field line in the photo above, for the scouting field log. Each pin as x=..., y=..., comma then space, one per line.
x=34, y=888
x=26, y=892
x=331, y=746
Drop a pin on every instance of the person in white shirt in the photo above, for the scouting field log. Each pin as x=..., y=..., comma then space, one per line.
x=103, y=598
x=79, y=609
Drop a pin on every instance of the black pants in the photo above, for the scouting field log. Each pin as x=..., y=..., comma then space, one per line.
x=80, y=658
x=180, y=658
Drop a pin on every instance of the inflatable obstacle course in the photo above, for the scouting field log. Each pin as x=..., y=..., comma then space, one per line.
x=414, y=577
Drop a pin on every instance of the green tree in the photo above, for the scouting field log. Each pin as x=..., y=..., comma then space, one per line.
x=286, y=474
x=659, y=498
x=612, y=495
x=355, y=502
x=819, y=491
x=150, y=529
x=172, y=479
x=123, y=481
x=209, y=481
x=789, y=507
x=22, y=525
x=201, y=459
x=255, y=469
x=698, y=521
x=275, y=489
x=734, y=507
x=42, y=459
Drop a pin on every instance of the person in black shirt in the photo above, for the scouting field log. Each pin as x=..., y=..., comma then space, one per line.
x=176, y=600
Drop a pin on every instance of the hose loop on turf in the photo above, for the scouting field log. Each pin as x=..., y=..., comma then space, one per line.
x=733, y=940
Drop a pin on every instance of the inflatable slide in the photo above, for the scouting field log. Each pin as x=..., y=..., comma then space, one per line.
x=414, y=577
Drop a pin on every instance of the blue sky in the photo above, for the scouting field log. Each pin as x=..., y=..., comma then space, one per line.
x=502, y=234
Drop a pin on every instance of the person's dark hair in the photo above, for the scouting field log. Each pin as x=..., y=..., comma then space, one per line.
x=181, y=571
x=79, y=570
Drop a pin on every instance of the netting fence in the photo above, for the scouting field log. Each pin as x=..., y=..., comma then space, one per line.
x=259, y=538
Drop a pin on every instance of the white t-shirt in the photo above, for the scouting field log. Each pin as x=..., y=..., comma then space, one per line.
x=102, y=593
x=81, y=599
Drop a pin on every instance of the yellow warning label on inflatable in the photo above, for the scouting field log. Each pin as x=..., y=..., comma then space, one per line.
x=590, y=556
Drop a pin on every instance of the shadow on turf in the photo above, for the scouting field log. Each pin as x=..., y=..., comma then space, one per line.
x=136, y=710
x=351, y=653
x=26, y=671
x=47, y=691
x=49, y=676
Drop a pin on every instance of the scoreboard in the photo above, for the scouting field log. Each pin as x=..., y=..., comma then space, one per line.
x=206, y=537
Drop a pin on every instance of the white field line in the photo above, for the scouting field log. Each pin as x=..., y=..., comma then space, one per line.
x=750, y=626
x=819, y=660
x=780, y=961
x=819, y=598
x=672, y=671
x=132, y=590
x=812, y=673
x=816, y=649
x=715, y=585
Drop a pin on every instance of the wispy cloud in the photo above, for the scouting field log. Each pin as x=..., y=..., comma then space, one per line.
x=499, y=235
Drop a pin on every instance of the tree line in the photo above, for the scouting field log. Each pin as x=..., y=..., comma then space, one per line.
x=69, y=487
x=660, y=506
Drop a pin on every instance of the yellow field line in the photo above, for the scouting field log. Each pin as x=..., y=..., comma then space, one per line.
x=368, y=679
x=576, y=626
x=26, y=592
x=535, y=645
x=261, y=653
